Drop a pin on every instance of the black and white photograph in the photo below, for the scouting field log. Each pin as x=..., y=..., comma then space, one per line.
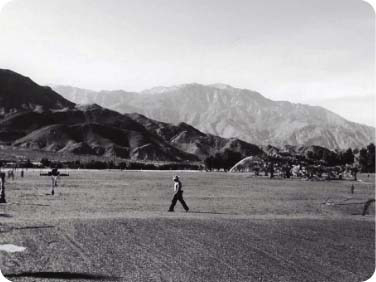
x=187, y=140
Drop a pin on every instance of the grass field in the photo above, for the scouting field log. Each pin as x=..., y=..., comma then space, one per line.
x=114, y=226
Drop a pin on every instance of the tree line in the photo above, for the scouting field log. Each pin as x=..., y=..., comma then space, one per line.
x=125, y=165
x=367, y=159
x=364, y=157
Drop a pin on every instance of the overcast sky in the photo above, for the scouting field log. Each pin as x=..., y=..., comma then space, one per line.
x=309, y=51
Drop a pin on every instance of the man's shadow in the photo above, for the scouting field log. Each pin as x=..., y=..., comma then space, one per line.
x=209, y=212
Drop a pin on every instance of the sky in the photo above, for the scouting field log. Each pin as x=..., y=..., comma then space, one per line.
x=319, y=52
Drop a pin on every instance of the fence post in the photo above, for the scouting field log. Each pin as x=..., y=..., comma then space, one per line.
x=2, y=186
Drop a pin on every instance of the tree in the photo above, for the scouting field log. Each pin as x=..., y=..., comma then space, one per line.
x=230, y=158
x=45, y=162
x=310, y=155
x=363, y=160
x=330, y=158
x=271, y=169
x=110, y=165
x=209, y=163
x=28, y=164
x=354, y=172
x=371, y=157
x=218, y=161
x=348, y=157
x=77, y=164
x=340, y=158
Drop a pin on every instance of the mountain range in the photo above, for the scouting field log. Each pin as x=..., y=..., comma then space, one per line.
x=34, y=117
x=229, y=112
x=55, y=124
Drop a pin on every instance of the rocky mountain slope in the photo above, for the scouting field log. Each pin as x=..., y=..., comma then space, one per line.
x=89, y=130
x=20, y=93
x=190, y=140
x=235, y=113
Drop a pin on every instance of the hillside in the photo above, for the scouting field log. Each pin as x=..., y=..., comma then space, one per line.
x=87, y=130
x=236, y=113
x=20, y=93
x=190, y=140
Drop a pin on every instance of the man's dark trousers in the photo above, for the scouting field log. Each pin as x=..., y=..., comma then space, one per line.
x=178, y=196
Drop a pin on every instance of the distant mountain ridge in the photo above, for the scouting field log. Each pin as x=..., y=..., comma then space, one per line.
x=52, y=123
x=229, y=112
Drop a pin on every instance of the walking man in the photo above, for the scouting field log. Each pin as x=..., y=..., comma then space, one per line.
x=54, y=175
x=178, y=195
